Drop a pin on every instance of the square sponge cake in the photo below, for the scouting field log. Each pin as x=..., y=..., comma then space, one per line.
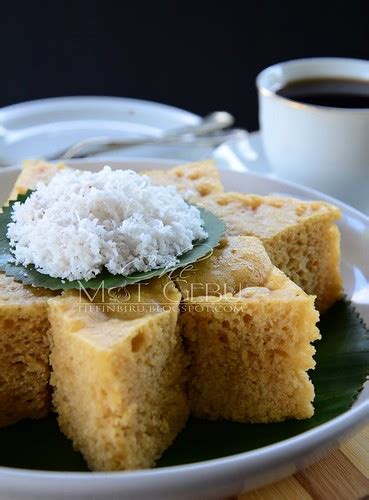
x=119, y=372
x=249, y=348
x=24, y=352
x=301, y=237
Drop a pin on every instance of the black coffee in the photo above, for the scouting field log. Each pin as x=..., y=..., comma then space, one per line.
x=333, y=92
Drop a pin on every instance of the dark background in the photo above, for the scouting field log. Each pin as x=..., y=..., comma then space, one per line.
x=200, y=56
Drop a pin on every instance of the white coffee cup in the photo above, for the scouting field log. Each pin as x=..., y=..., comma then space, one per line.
x=322, y=147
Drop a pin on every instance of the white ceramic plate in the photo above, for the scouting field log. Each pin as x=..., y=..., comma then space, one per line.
x=39, y=128
x=231, y=475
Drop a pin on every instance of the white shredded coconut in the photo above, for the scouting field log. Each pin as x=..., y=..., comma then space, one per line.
x=82, y=222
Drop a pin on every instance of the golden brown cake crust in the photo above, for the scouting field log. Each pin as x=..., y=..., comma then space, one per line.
x=237, y=262
x=299, y=236
x=193, y=180
x=266, y=216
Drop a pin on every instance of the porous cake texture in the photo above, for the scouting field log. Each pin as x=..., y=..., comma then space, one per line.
x=250, y=352
x=118, y=373
x=193, y=180
x=300, y=237
x=24, y=352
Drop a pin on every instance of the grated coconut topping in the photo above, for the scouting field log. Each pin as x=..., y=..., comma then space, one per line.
x=81, y=222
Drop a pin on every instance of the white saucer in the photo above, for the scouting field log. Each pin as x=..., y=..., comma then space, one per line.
x=39, y=128
x=353, y=194
x=261, y=164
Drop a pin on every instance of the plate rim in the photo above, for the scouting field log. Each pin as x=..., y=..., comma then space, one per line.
x=35, y=104
x=301, y=443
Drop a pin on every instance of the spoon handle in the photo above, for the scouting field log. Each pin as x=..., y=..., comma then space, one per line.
x=211, y=123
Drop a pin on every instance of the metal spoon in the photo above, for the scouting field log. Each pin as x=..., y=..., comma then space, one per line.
x=211, y=123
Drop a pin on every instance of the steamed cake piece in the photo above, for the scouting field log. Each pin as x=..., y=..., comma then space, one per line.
x=193, y=180
x=24, y=352
x=300, y=237
x=249, y=352
x=34, y=171
x=118, y=373
x=237, y=262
